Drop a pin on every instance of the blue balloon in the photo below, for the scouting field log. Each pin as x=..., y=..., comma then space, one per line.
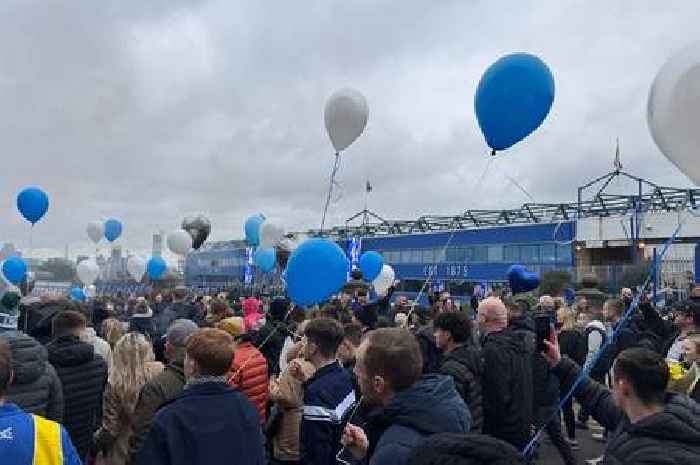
x=14, y=269
x=32, y=203
x=570, y=295
x=155, y=267
x=521, y=280
x=77, y=294
x=371, y=264
x=113, y=229
x=316, y=270
x=265, y=259
x=252, y=229
x=513, y=98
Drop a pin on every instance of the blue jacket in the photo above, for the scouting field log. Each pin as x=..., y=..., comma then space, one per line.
x=430, y=406
x=18, y=433
x=328, y=398
x=208, y=423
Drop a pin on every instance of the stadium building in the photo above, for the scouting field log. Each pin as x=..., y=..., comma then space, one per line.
x=603, y=233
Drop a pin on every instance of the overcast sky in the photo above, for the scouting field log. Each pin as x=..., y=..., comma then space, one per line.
x=151, y=113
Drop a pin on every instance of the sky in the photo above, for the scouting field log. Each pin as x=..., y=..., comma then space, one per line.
x=152, y=111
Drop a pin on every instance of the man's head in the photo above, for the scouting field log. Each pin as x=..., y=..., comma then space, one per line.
x=68, y=323
x=322, y=337
x=362, y=297
x=640, y=376
x=179, y=294
x=626, y=295
x=546, y=303
x=209, y=352
x=388, y=361
x=613, y=309
x=452, y=329
x=158, y=299
x=493, y=315
x=688, y=315
x=176, y=339
x=351, y=341
x=6, y=372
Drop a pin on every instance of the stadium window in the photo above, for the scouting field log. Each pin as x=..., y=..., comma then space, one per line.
x=451, y=255
x=416, y=256
x=548, y=253
x=439, y=254
x=469, y=254
x=495, y=253
x=564, y=253
x=481, y=254
x=460, y=255
x=428, y=256
x=511, y=253
x=405, y=256
x=389, y=256
x=530, y=254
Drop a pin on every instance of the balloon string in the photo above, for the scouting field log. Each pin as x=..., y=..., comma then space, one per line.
x=336, y=164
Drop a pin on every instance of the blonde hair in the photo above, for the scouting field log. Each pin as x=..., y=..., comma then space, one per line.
x=112, y=331
x=567, y=318
x=130, y=368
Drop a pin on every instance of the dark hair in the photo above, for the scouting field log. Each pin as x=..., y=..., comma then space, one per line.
x=326, y=333
x=646, y=371
x=212, y=349
x=394, y=354
x=5, y=366
x=66, y=322
x=689, y=308
x=353, y=333
x=455, y=323
x=616, y=305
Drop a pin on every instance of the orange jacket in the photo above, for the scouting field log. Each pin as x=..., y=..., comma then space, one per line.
x=249, y=375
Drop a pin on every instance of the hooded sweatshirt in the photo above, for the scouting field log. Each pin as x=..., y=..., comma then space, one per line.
x=430, y=406
x=671, y=436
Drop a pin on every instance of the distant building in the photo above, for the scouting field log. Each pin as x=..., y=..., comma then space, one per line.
x=157, y=244
x=81, y=258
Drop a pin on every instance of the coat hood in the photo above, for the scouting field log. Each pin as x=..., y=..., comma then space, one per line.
x=68, y=351
x=430, y=406
x=29, y=358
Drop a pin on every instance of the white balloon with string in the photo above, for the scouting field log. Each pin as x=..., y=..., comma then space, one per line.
x=96, y=231
x=384, y=281
x=271, y=233
x=179, y=242
x=345, y=116
x=88, y=271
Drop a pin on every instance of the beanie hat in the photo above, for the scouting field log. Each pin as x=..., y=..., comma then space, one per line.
x=234, y=325
x=278, y=309
x=464, y=449
x=179, y=331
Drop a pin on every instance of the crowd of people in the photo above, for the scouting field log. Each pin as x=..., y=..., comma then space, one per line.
x=172, y=378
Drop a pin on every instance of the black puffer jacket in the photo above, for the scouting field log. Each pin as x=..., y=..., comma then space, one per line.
x=507, y=387
x=36, y=387
x=464, y=366
x=669, y=437
x=83, y=375
x=464, y=449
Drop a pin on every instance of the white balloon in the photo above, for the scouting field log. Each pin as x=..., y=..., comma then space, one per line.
x=271, y=233
x=88, y=271
x=673, y=111
x=91, y=291
x=136, y=266
x=179, y=242
x=383, y=282
x=345, y=116
x=96, y=231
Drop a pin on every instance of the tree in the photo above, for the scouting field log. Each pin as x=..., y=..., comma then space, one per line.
x=554, y=282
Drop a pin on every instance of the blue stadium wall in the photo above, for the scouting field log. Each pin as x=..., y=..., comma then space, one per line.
x=473, y=255
x=477, y=255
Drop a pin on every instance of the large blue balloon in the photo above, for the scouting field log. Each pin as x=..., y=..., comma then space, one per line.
x=155, y=267
x=371, y=264
x=513, y=98
x=113, y=229
x=14, y=269
x=316, y=270
x=265, y=259
x=252, y=229
x=521, y=280
x=32, y=203
x=77, y=294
